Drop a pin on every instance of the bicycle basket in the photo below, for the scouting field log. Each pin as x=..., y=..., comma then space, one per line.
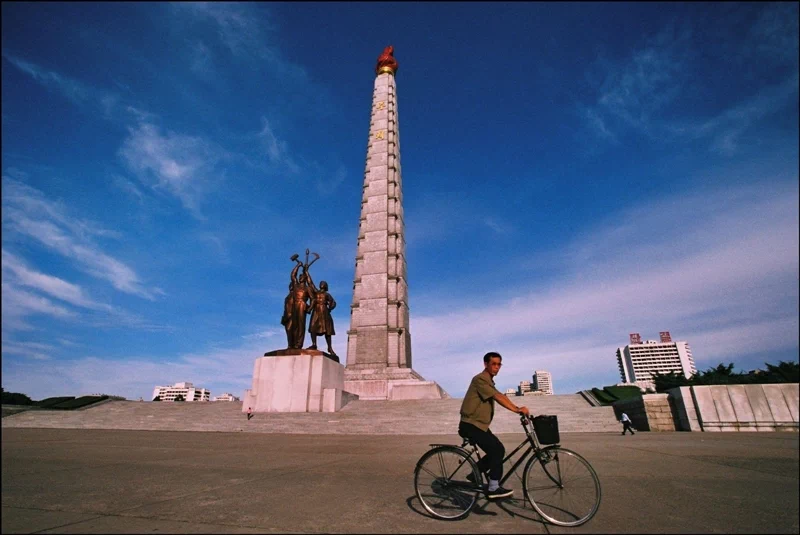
x=546, y=427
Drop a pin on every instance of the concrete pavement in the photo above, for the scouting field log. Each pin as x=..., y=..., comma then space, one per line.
x=115, y=481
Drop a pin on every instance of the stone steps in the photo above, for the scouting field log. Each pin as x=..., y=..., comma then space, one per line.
x=408, y=417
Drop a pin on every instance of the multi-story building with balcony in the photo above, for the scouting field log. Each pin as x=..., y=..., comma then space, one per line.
x=639, y=361
x=543, y=382
x=187, y=390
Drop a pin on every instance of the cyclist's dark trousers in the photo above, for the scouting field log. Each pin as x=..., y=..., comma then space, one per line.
x=491, y=446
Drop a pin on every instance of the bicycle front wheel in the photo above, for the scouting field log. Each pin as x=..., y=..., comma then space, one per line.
x=562, y=486
x=440, y=480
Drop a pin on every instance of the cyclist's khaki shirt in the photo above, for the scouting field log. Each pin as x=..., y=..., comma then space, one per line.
x=478, y=405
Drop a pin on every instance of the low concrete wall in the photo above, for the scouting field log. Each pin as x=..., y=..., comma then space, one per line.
x=649, y=412
x=765, y=407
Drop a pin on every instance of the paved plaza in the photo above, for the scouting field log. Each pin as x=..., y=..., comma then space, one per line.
x=114, y=481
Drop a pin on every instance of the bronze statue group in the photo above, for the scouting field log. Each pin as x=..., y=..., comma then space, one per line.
x=304, y=298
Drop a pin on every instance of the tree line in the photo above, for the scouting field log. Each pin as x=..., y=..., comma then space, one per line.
x=722, y=374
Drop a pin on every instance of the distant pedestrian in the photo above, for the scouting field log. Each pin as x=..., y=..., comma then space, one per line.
x=626, y=424
x=249, y=412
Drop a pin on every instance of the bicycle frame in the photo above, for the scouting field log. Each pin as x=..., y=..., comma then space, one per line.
x=530, y=441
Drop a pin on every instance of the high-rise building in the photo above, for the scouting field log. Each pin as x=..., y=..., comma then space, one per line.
x=639, y=361
x=187, y=390
x=524, y=386
x=543, y=382
x=379, y=340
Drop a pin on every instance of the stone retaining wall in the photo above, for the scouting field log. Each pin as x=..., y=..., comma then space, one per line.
x=764, y=407
x=649, y=412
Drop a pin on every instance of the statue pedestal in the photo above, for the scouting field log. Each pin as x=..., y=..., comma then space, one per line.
x=296, y=380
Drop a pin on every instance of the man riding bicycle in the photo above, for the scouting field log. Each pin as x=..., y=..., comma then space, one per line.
x=477, y=411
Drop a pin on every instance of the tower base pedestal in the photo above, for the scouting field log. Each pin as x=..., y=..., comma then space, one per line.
x=296, y=380
x=391, y=384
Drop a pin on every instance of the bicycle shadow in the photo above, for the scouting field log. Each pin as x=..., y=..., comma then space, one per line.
x=515, y=507
x=478, y=509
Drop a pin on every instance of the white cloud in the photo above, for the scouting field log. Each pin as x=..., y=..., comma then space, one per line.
x=634, y=91
x=277, y=150
x=55, y=287
x=17, y=304
x=77, y=92
x=28, y=212
x=726, y=128
x=221, y=370
x=718, y=269
x=31, y=350
x=183, y=166
x=72, y=89
x=641, y=93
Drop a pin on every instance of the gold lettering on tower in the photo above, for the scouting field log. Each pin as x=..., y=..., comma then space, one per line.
x=379, y=134
x=380, y=105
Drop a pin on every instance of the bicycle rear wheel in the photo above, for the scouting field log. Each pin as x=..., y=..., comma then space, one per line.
x=440, y=480
x=562, y=486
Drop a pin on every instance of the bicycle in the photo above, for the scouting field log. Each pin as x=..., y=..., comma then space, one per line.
x=560, y=484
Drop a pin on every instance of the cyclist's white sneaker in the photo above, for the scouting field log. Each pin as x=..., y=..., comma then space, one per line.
x=499, y=492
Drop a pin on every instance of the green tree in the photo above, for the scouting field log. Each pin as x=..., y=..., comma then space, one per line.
x=665, y=381
x=179, y=397
x=14, y=398
x=721, y=375
x=784, y=372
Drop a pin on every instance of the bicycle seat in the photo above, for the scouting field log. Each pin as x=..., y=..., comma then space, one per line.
x=468, y=441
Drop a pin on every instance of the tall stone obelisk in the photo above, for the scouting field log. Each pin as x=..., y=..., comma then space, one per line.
x=379, y=341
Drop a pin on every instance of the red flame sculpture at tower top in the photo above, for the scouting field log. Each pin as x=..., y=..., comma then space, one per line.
x=386, y=61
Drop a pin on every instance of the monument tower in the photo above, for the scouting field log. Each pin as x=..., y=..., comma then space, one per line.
x=379, y=341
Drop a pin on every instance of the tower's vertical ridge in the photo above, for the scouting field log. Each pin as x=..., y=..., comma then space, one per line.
x=379, y=341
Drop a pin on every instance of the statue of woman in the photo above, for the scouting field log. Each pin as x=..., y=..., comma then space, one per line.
x=321, y=320
x=295, y=308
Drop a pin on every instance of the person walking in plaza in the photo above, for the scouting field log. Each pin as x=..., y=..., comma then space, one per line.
x=249, y=412
x=626, y=424
x=477, y=411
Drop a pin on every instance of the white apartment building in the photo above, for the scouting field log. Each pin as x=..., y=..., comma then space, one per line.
x=640, y=361
x=524, y=386
x=187, y=390
x=543, y=382
x=511, y=391
x=226, y=397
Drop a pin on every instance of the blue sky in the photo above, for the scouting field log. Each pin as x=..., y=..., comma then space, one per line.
x=572, y=173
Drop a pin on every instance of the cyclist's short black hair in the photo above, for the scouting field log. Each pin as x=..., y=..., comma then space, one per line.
x=490, y=355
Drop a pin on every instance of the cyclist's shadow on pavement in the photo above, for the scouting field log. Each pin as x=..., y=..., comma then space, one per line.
x=513, y=507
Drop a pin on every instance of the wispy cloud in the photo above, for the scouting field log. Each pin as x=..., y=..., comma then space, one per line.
x=277, y=150
x=499, y=227
x=641, y=94
x=77, y=92
x=28, y=212
x=635, y=90
x=656, y=270
x=725, y=129
x=236, y=27
x=74, y=90
x=223, y=370
x=31, y=350
x=15, y=269
x=180, y=165
x=128, y=187
x=17, y=304
x=774, y=35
